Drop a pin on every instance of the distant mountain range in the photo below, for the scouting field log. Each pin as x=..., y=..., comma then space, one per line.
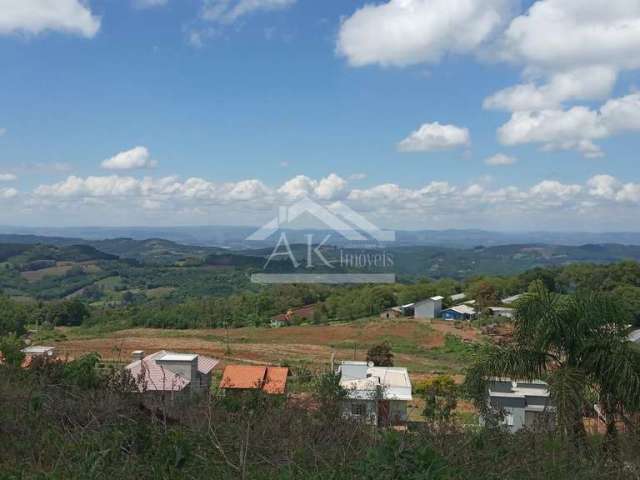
x=235, y=237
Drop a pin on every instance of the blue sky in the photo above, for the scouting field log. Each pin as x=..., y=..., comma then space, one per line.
x=258, y=101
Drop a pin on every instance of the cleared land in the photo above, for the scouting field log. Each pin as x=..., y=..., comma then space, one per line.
x=424, y=348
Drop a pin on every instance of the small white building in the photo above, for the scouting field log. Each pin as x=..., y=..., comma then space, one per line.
x=502, y=312
x=429, y=308
x=458, y=297
x=39, y=351
x=512, y=299
x=521, y=403
x=375, y=395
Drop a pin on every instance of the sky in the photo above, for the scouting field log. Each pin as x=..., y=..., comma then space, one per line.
x=493, y=114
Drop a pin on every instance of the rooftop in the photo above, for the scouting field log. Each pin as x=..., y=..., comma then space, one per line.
x=394, y=382
x=153, y=376
x=462, y=309
x=272, y=380
x=177, y=357
x=37, y=350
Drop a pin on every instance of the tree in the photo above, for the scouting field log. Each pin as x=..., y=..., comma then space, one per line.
x=381, y=355
x=441, y=398
x=12, y=316
x=11, y=349
x=576, y=343
x=67, y=312
x=484, y=293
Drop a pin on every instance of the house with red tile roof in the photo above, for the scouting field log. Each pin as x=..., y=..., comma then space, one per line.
x=271, y=380
x=165, y=371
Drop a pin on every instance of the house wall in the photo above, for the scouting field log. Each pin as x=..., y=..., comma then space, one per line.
x=398, y=411
x=187, y=370
x=370, y=415
x=452, y=315
x=428, y=309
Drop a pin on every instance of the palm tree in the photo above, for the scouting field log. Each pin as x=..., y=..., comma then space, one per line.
x=578, y=344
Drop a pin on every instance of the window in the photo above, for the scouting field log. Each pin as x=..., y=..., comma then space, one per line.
x=358, y=409
x=508, y=420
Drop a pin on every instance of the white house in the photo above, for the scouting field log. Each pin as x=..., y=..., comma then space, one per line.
x=502, y=312
x=522, y=403
x=512, y=299
x=458, y=297
x=375, y=395
x=39, y=351
x=429, y=308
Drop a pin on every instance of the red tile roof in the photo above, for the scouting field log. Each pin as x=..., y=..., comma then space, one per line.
x=272, y=380
x=276, y=380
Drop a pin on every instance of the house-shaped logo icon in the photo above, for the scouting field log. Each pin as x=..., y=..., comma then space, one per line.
x=339, y=218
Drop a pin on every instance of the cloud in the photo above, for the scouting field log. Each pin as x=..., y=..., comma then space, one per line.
x=573, y=129
x=434, y=136
x=357, y=176
x=135, y=158
x=570, y=50
x=328, y=188
x=601, y=199
x=7, y=193
x=500, y=159
x=228, y=11
x=408, y=32
x=7, y=177
x=37, y=16
x=149, y=3
x=579, y=84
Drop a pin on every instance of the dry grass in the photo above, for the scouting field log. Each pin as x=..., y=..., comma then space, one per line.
x=414, y=343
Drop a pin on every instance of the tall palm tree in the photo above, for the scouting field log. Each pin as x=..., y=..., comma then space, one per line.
x=578, y=344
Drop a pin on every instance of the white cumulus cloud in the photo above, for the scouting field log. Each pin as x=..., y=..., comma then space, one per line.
x=228, y=11
x=149, y=3
x=575, y=128
x=37, y=16
x=406, y=32
x=136, y=158
x=434, y=136
x=500, y=159
x=328, y=188
x=601, y=199
x=570, y=50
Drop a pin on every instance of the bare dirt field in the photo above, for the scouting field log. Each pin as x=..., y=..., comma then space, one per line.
x=419, y=346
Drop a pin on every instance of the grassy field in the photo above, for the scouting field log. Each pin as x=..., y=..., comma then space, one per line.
x=423, y=348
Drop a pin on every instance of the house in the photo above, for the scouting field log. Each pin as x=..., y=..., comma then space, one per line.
x=512, y=299
x=292, y=315
x=39, y=351
x=459, y=312
x=271, y=380
x=172, y=372
x=458, y=297
x=522, y=404
x=393, y=312
x=502, y=312
x=429, y=308
x=375, y=395
x=32, y=352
